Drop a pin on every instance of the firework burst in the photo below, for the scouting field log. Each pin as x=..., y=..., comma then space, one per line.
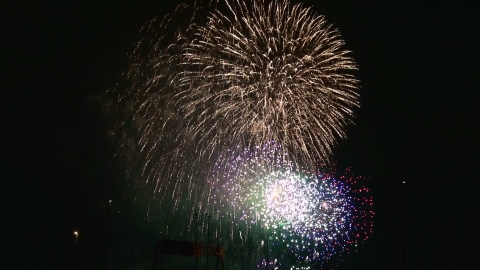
x=235, y=77
x=293, y=216
x=263, y=72
x=271, y=83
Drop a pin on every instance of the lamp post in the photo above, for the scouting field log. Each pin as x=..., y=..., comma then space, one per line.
x=76, y=237
x=268, y=260
x=107, y=233
x=208, y=238
x=266, y=226
x=404, y=230
x=196, y=242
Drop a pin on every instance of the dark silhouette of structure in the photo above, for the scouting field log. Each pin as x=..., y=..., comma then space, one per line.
x=188, y=249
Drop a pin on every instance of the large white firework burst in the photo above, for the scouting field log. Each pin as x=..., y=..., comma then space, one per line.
x=242, y=74
x=267, y=70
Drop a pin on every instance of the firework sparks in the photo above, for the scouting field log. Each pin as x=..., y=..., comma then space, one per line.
x=308, y=217
x=250, y=73
x=243, y=76
x=268, y=72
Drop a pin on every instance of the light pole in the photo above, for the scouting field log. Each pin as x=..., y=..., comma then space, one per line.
x=266, y=226
x=107, y=233
x=268, y=260
x=76, y=237
x=404, y=230
x=208, y=238
x=196, y=242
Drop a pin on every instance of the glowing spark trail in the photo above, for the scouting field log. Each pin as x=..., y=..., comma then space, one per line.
x=241, y=75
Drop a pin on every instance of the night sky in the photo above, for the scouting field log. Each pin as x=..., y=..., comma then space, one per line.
x=419, y=75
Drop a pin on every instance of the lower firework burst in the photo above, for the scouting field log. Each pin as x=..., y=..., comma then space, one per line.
x=270, y=211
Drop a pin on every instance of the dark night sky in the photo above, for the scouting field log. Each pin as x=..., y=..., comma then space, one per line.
x=417, y=66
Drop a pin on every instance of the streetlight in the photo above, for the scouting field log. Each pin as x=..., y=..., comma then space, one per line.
x=76, y=237
x=268, y=260
x=208, y=238
x=404, y=229
x=196, y=243
x=266, y=227
x=107, y=233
